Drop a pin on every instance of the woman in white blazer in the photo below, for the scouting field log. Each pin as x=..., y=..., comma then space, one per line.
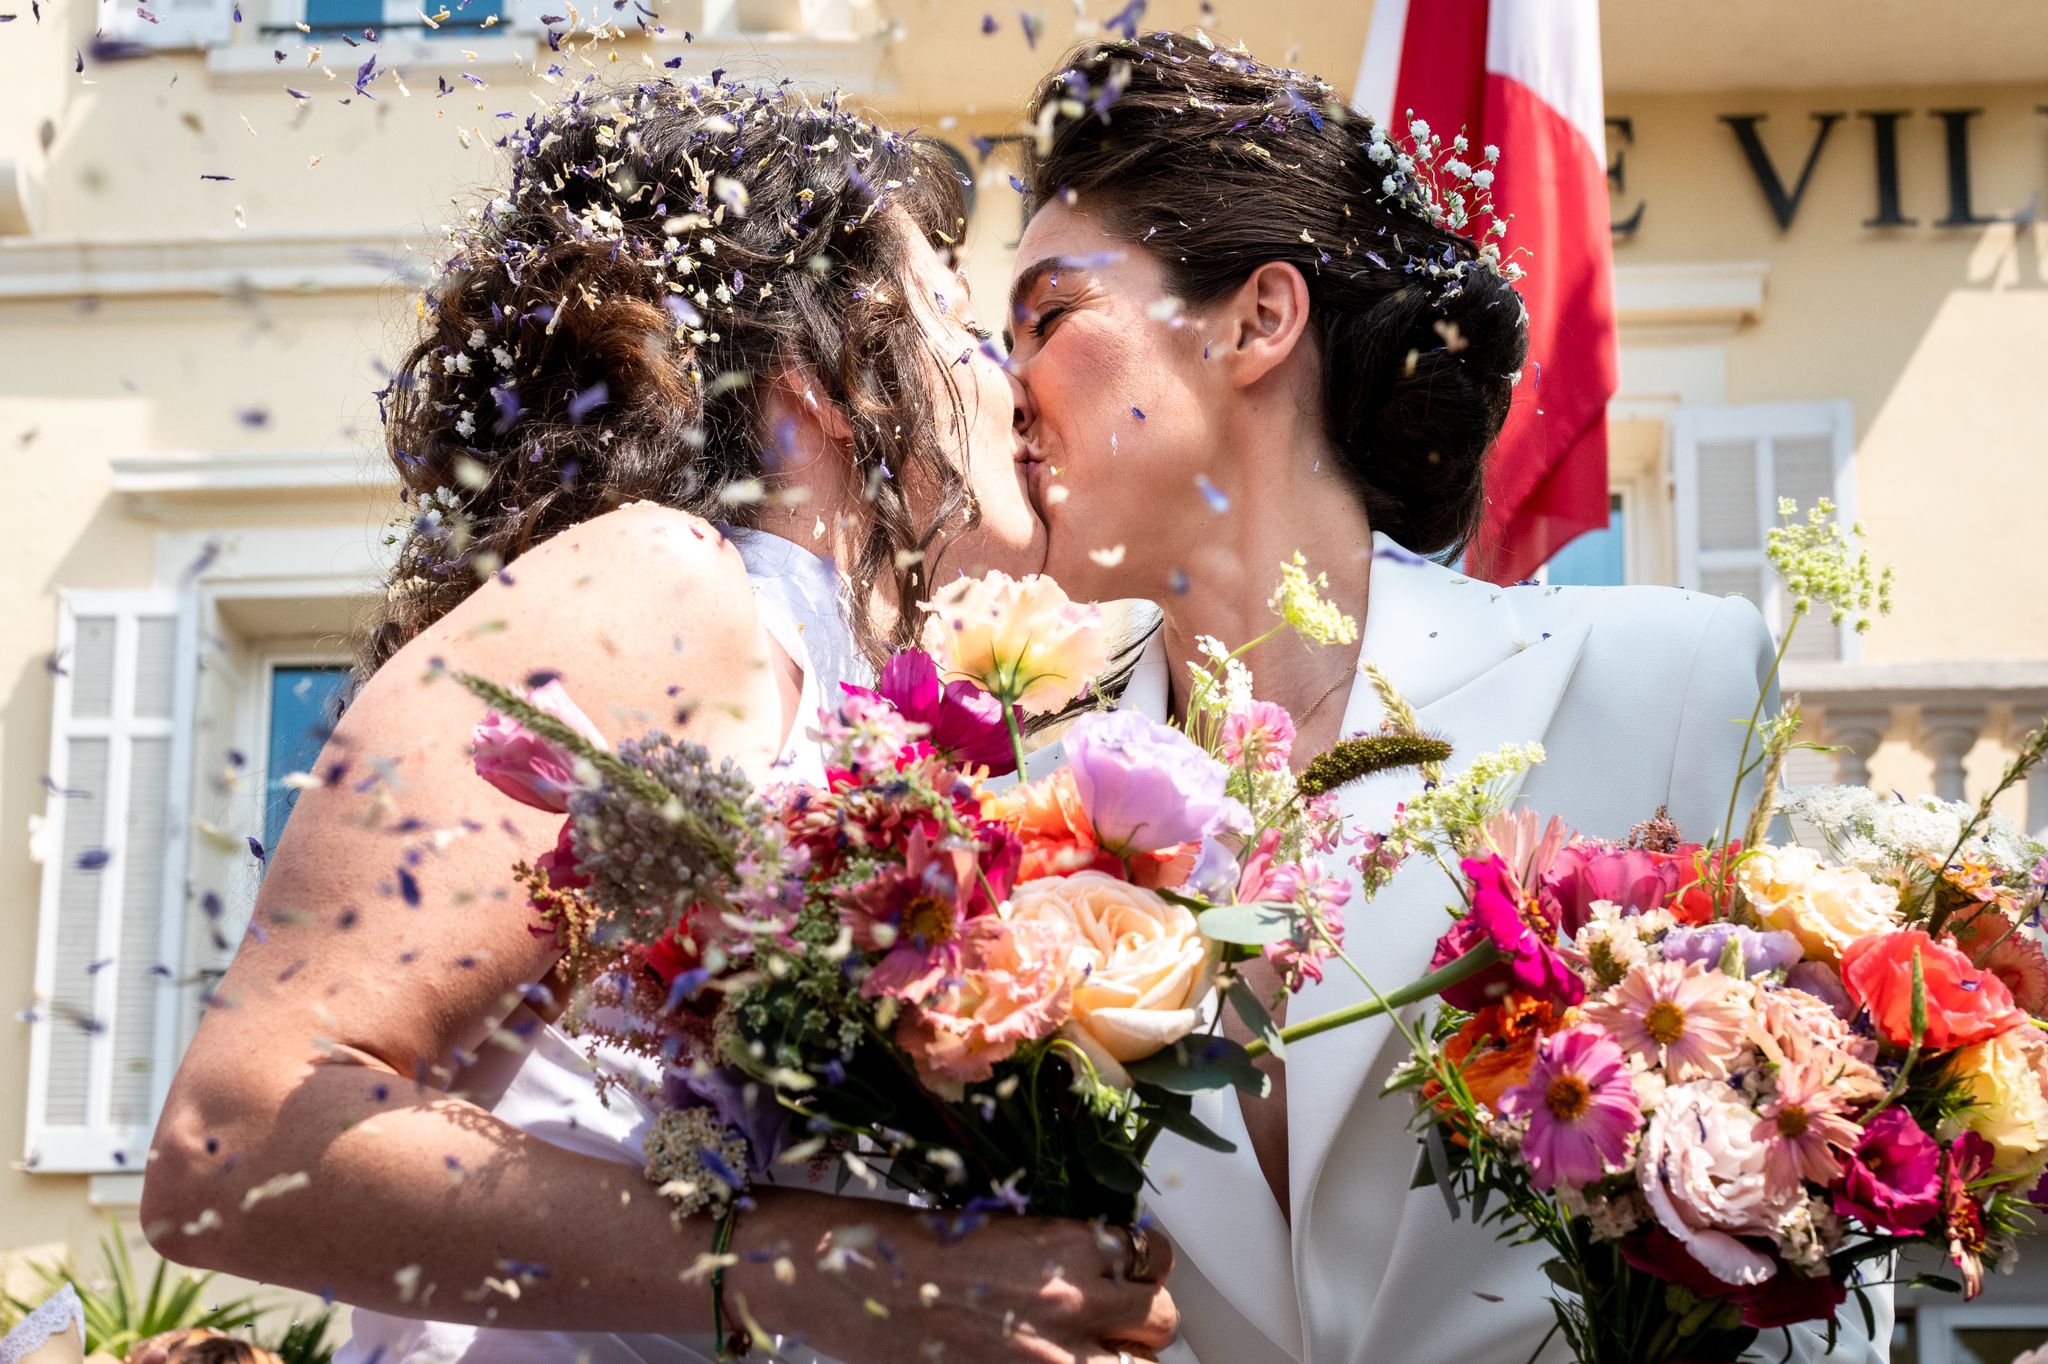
x=1236, y=339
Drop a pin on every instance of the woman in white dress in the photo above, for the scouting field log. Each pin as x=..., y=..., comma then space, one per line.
x=712, y=303
x=1218, y=301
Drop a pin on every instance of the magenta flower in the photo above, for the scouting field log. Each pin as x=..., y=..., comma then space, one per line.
x=1581, y=1107
x=965, y=723
x=1893, y=1182
x=1584, y=872
x=1523, y=931
x=1146, y=786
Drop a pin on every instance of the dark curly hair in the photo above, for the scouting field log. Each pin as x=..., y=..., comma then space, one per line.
x=605, y=329
x=1216, y=164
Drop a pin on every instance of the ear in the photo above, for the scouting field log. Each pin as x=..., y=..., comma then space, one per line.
x=802, y=422
x=1264, y=320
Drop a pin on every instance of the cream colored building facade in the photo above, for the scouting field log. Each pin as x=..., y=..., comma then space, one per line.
x=186, y=419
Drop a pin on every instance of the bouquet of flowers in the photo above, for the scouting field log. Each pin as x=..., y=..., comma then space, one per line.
x=1725, y=1083
x=987, y=998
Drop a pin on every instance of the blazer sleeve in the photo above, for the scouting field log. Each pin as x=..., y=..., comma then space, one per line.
x=1731, y=661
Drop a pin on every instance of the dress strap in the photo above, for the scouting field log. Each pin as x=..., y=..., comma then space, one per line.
x=55, y=1324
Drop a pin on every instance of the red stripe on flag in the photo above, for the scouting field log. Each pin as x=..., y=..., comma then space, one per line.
x=1547, y=479
x=1443, y=67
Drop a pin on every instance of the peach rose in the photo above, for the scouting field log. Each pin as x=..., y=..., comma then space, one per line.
x=1142, y=968
x=1014, y=986
x=2004, y=1076
x=1825, y=907
x=1021, y=638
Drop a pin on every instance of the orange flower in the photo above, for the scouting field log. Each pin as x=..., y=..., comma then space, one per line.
x=1965, y=1006
x=1047, y=817
x=1496, y=1048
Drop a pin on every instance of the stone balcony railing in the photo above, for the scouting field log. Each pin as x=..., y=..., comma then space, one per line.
x=1956, y=721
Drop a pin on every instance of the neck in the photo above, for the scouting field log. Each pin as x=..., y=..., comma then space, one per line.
x=1288, y=498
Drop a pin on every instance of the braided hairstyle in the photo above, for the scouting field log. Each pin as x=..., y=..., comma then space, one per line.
x=605, y=330
x=1216, y=164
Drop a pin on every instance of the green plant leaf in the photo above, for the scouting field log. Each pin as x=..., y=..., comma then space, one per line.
x=1257, y=1021
x=1251, y=925
x=1199, y=1063
x=1174, y=1113
x=1114, y=1168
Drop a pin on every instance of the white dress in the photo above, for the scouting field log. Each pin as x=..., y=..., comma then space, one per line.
x=548, y=1091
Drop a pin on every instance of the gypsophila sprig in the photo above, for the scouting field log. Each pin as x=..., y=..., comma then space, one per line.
x=1821, y=562
x=1437, y=182
x=1298, y=600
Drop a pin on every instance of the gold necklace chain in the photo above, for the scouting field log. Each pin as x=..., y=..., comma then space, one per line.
x=1309, y=714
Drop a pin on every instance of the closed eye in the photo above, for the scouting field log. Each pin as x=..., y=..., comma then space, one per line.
x=1042, y=323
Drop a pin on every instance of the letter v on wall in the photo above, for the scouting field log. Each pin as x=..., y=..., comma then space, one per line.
x=1784, y=205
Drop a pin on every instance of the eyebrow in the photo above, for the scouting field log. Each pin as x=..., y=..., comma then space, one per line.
x=1025, y=282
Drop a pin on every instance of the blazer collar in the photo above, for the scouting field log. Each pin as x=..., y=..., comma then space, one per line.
x=1457, y=651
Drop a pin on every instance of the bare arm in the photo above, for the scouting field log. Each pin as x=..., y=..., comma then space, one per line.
x=311, y=1137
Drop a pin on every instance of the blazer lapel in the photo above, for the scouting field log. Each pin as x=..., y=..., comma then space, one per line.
x=1454, y=650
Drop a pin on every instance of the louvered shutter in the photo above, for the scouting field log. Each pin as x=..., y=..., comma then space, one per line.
x=104, y=1039
x=1730, y=466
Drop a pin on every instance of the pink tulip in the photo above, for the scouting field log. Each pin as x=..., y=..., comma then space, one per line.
x=532, y=770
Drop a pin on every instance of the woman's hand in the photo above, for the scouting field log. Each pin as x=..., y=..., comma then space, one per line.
x=883, y=1286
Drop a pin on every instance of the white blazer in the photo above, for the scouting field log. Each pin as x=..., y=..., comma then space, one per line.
x=1639, y=694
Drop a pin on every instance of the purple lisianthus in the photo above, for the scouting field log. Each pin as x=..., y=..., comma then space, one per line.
x=1767, y=951
x=965, y=722
x=1819, y=980
x=741, y=1102
x=1893, y=1182
x=1583, y=873
x=1146, y=786
x=1215, y=873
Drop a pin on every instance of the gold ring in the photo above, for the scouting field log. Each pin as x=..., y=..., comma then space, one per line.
x=1141, y=1255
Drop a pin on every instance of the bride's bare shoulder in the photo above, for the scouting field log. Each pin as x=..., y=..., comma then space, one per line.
x=640, y=611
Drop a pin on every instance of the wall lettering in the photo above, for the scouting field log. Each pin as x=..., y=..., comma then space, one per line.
x=1884, y=132
x=1784, y=206
x=1956, y=124
x=1617, y=175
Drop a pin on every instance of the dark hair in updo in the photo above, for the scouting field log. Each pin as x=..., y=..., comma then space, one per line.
x=1216, y=164
x=607, y=330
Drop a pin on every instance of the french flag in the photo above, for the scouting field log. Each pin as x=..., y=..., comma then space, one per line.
x=1524, y=75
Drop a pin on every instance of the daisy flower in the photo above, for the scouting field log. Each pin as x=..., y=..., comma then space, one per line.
x=1679, y=1014
x=1805, y=1127
x=1581, y=1108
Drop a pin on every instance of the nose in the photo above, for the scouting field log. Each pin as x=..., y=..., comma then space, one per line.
x=1023, y=410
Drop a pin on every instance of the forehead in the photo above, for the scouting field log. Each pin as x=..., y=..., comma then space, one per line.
x=1068, y=232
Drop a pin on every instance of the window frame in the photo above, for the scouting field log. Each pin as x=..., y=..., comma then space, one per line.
x=1935, y=1327
x=269, y=657
x=1765, y=424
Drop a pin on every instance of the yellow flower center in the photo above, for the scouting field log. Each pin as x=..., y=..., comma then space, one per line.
x=929, y=919
x=1793, y=1122
x=1665, y=1022
x=1567, y=1097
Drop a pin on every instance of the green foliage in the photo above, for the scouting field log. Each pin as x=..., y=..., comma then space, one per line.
x=120, y=1312
x=1352, y=760
x=304, y=1341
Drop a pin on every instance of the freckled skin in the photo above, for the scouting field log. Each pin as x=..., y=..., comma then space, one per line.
x=1091, y=349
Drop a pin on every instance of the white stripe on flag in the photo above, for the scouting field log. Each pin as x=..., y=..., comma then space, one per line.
x=1380, y=67
x=1553, y=48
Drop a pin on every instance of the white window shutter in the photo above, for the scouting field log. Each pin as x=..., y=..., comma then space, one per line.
x=168, y=23
x=1730, y=466
x=104, y=1040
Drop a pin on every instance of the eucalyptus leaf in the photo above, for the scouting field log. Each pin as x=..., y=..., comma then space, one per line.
x=1114, y=1168
x=1936, y=1282
x=1203, y=1062
x=1182, y=1122
x=1250, y=925
x=1257, y=1021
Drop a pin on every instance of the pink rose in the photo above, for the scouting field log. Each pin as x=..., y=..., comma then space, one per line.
x=526, y=767
x=1015, y=986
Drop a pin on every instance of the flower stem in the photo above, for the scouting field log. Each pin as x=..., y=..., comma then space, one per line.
x=1016, y=736
x=1436, y=982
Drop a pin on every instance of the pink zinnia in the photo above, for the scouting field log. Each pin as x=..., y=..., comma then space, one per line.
x=1805, y=1128
x=1581, y=1107
x=1261, y=736
x=1526, y=935
x=1676, y=1014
